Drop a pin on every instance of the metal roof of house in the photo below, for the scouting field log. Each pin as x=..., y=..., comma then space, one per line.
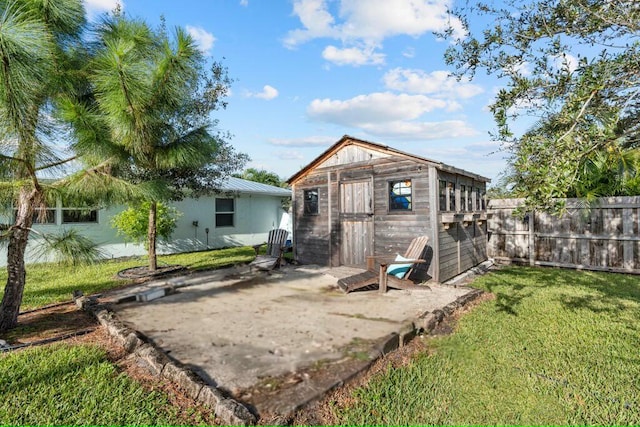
x=244, y=186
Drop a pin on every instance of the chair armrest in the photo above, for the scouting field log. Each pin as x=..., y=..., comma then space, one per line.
x=407, y=261
x=257, y=247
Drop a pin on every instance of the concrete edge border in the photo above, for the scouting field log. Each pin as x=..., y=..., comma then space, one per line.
x=425, y=324
x=228, y=410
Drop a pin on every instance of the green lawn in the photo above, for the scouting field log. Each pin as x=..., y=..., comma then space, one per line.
x=76, y=385
x=555, y=347
x=51, y=283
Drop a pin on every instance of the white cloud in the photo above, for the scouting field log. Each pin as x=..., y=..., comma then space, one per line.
x=202, y=37
x=409, y=52
x=352, y=56
x=316, y=20
x=375, y=107
x=439, y=83
x=411, y=130
x=309, y=141
x=97, y=7
x=566, y=62
x=268, y=93
x=369, y=22
x=391, y=116
x=521, y=68
x=244, y=3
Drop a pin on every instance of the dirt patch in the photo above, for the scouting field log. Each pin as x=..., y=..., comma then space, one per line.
x=143, y=272
x=51, y=322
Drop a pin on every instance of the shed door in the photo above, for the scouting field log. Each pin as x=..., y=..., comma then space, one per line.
x=356, y=222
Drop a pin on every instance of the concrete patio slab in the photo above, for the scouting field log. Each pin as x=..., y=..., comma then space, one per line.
x=236, y=329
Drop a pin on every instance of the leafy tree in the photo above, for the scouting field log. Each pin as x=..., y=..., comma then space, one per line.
x=133, y=223
x=573, y=64
x=39, y=42
x=155, y=97
x=262, y=176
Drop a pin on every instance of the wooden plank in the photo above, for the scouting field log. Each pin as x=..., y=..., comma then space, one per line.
x=569, y=236
x=627, y=229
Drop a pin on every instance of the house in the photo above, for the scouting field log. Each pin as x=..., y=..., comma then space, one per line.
x=241, y=213
x=360, y=198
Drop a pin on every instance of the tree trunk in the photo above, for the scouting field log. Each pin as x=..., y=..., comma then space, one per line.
x=151, y=237
x=16, y=272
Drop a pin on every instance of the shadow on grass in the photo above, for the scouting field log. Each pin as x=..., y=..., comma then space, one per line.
x=598, y=292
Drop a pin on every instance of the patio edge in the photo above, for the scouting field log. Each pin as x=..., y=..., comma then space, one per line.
x=159, y=364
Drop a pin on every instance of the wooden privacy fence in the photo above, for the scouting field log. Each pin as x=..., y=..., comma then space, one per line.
x=602, y=235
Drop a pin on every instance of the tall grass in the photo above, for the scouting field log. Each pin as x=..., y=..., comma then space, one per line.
x=555, y=347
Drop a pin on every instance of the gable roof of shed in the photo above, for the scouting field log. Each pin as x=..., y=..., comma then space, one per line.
x=349, y=140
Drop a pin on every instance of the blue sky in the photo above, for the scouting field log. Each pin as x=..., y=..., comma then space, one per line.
x=308, y=72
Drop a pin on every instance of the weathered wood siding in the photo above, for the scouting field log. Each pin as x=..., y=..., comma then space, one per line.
x=461, y=247
x=312, y=234
x=351, y=224
x=394, y=230
x=599, y=236
x=321, y=238
x=462, y=243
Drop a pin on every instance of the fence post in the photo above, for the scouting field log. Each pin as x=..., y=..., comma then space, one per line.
x=532, y=241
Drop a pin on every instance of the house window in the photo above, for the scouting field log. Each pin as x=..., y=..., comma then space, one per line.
x=225, y=209
x=41, y=216
x=311, y=201
x=400, y=195
x=442, y=192
x=469, y=199
x=478, y=195
x=79, y=216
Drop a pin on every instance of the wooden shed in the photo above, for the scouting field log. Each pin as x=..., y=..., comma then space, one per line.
x=360, y=198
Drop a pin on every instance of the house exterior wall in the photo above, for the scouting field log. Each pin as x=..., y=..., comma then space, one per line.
x=254, y=215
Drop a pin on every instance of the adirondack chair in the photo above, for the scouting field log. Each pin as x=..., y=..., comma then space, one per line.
x=275, y=249
x=386, y=271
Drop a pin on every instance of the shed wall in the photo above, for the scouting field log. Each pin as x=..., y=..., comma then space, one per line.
x=318, y=238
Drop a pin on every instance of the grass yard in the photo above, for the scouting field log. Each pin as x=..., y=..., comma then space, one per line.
x=76, y=385
x=66, y=384
x=51, y=283
x=555, y=347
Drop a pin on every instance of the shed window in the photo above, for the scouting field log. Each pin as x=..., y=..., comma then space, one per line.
x=469, y=198
x=451, y=195
x=463, y=197
x=225, y=209
x=311, y=201
x=400, y=195
x=442, y=193
x=79, y=216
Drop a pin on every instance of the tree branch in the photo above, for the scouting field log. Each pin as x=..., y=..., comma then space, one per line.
x=61, y=162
